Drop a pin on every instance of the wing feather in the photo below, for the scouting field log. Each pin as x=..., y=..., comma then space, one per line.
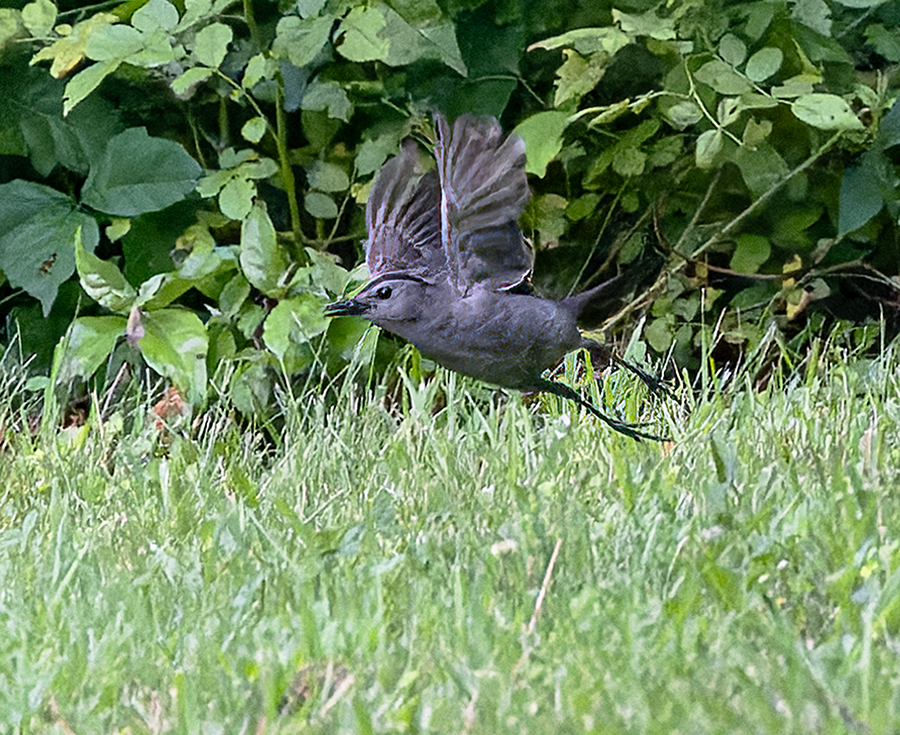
x=403, y=219
x=483, y=191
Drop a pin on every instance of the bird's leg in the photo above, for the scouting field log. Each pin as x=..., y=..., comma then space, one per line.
x=564, y=391
x=601, y=353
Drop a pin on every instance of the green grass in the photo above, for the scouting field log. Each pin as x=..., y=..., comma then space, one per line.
x=379, y=573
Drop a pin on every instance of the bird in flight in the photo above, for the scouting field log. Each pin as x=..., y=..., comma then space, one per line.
x=450, y=270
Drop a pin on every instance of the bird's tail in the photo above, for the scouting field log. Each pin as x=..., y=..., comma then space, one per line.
x=576, y=303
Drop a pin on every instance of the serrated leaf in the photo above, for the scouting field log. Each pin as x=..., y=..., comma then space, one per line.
x=175, y=345
x=826, y=112
x=586, y=40
x=67, y=52
x=155, y=15
x=38, y=226
x=191, y=78
x=39, y=17
x=87, y=345
x=254, y=129
x=646, y=24
x=359, y=35
x=300, y=40
x=85, y=82
x=102, y=280
x=263, y=260
x=577, y=76
x=320, y=206
x=139, y=173
x=764, y=63
x=542, y=134
x=211, y=44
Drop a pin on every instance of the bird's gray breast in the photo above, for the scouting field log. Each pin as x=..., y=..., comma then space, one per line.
x=502, y=338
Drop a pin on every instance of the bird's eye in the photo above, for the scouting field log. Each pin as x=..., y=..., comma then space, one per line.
x=384, y=293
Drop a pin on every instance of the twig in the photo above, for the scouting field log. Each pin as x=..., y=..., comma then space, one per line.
x=544, y=586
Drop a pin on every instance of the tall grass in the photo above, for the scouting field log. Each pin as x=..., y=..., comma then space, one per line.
x=492, y=566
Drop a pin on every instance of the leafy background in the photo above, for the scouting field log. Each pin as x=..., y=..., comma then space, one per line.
x=182, y=183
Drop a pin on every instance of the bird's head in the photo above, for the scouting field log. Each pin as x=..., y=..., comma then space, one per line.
x=388, y=301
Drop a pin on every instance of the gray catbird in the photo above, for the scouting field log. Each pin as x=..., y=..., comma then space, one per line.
x=451, y=272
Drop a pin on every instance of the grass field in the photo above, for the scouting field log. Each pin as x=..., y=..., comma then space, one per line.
x=491, y=567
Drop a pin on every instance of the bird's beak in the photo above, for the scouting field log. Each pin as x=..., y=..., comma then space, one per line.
x=350, y=307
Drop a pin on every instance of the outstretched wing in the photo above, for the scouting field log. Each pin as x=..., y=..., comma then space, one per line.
x=403, y=219
x=483, y=192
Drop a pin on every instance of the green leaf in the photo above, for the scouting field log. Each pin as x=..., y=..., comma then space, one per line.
x=586, y=40
x=85, y=82
x=732, y=49
x=885, y=42
x=709, y=145
x=301, y=39
x=155, y=15
x=87, y=345
x=39, y=17
x=750, y=252
x=646, y=24
x=175, y=345
x=320, y=206
x=329, y=177
x=359, y=35
x=813, y=14
x=861, y=197
x=254, y=129
x=658, y=334
x=289, y=328
x=722, y=78
x=542, y=134
x=102, y=280
x=38, y=226
x=764, y=63
x=328, y=96
x=577, y=76
x=190, y=78
x=258, y=68
x=372, y=153
x=138, y=174
x=113, y=42
x=211, y=44
x=761, y=168
x=263, y=260
x=826, y=112
x=236, y=198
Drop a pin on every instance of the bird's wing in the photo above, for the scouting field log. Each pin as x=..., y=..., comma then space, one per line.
x=483, y=192
x=403, y=219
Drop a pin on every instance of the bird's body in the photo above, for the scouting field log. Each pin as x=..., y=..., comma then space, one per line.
x=502, y=338
x=451, y=272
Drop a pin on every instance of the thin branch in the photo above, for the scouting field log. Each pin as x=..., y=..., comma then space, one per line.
x=768, y=194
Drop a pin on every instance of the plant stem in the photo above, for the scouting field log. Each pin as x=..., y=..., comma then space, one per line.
x=287, y=173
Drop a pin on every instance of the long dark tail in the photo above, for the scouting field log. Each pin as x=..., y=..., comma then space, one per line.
x=630, y=430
